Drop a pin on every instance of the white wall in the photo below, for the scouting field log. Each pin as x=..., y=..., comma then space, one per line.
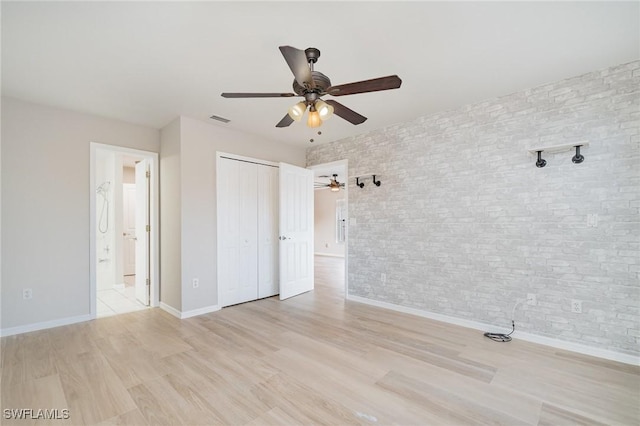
x=325, y=222
x=45, y=207
x=464, y=224
x=199, y=142
x=170, y=216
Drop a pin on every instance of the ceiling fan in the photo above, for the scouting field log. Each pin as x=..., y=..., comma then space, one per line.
x=311, y=85
x=333, y=184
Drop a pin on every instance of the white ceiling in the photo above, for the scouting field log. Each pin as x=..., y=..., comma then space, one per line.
x=148, y=62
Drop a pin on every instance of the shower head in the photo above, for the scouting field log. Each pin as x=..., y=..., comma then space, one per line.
x=103, y=188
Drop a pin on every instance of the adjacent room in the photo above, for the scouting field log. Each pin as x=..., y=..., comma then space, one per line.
x=249, y=213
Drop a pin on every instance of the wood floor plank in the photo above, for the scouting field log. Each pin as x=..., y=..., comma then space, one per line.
x=43, y=393
x=513, y=404
x=130, y=418
x=552, y=415
x=357, y=394
x=590, y=398
x=451, y=407
x=93, y=390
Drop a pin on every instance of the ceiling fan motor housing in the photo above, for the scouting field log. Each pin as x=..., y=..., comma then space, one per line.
x=321, y=81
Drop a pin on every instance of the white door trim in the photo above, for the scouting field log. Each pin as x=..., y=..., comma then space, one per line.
x=155, y=208
x=345, y=164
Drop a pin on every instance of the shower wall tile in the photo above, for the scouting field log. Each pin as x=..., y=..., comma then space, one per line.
x=465, y=225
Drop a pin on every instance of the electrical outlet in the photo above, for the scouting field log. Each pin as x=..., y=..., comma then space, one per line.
x=196, y=283
x=576, y=306
x=383, y=277
x=532, y=299
x=27, y=293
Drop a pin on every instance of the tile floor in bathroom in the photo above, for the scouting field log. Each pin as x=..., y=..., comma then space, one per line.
x=118, y=301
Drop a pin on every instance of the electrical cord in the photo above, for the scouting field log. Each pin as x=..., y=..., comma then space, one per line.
x=502, y=337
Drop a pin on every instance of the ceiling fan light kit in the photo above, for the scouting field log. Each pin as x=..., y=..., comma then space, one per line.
x=311, y=85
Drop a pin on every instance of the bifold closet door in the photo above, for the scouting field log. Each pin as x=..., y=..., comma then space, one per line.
x=238, y=195
x=267, y=231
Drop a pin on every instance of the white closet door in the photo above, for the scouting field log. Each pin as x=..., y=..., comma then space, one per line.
x=267, y=231
x=237, y=192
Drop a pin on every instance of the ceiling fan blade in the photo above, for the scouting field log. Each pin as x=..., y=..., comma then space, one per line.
x=297, y=61
x=374, y=85
x=285, y=122
x=348, y=114
x=258, y=95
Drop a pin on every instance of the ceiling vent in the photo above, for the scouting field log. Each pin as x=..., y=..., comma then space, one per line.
x=224, y=120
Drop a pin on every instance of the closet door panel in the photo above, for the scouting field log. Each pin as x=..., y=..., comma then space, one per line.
x=267, y=231
x=237, y=192
x=248, y=218
x=229, y=232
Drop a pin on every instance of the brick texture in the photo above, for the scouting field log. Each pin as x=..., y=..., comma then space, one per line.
x=465, y=225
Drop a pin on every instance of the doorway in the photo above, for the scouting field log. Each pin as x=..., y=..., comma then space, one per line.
x=124, y=231
x=330, y=215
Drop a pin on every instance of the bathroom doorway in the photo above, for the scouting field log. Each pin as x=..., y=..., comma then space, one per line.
x=124, y=240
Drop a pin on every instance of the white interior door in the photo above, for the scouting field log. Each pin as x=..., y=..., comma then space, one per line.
x=296, y=230
x=129, y=229
x=142, y=232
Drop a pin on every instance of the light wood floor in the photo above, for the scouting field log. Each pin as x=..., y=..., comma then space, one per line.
x=313, y=359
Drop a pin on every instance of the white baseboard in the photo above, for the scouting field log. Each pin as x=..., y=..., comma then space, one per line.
x=200, y=311
x=119, y=286
x=43, y=325
x=169, y=309
x=188, y=314
x=329, y=255
x=533, y=338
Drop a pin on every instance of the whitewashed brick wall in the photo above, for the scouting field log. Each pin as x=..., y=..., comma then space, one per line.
x=464, y=224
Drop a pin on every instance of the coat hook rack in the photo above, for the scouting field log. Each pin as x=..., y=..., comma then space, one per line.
x=378, y=183
x=541, y=161
x=358, y=183
x=577, y=159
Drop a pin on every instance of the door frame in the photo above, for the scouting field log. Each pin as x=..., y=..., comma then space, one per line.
x=345, y=164
x=154, y=253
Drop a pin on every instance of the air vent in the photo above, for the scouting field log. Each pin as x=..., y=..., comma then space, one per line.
x=224, y=120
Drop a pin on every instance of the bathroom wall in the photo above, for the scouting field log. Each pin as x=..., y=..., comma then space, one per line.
x=105, y=221
x=464, y=223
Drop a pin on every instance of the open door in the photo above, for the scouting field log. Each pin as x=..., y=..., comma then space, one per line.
x=296, y=230
x=142, y=232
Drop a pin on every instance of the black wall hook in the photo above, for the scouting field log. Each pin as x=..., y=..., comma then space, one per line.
x=541, y=162
x=358, y=183
x=577, y=159
x=376, y=183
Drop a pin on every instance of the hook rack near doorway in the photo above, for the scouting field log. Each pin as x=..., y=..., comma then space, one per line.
x=360, y=179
